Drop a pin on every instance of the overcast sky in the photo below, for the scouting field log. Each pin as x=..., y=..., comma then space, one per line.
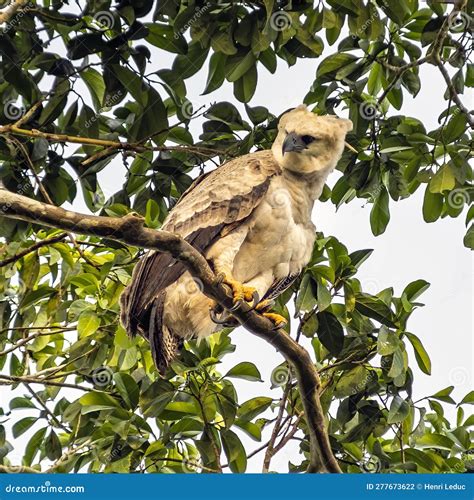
x=410, y=249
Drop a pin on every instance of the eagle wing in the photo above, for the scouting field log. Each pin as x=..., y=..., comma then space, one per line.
x=208, y=209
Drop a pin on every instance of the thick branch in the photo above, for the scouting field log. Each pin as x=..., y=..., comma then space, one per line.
x=130, y=230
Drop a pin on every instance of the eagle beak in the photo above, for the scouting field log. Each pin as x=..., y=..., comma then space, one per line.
x=293, y=143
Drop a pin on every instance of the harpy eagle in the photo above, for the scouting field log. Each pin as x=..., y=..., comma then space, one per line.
x=251, y=218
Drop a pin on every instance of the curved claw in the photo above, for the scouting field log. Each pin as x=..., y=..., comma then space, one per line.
x=215, y=318
x=255, y=300
x=236, y=305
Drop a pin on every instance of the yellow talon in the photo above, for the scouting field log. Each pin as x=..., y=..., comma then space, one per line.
x=277, y=319
x=264, y=305
x=241, y=292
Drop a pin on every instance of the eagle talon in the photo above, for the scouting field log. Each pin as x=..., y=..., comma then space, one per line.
x=264, y=305
x=277, y=319
x=237, y=305
x=240, y=292
x=255, y=299
x=216, y=319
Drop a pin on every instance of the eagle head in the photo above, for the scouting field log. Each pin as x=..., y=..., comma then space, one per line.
x=308, y=143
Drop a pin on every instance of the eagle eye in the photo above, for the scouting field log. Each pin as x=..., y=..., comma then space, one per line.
x=308, y=139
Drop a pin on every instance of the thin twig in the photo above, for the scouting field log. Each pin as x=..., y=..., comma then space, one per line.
x=32, y=248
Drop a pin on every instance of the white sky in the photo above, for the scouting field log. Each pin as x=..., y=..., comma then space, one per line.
x=410, y=249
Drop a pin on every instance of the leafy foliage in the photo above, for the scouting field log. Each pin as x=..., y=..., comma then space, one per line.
x=78, y=96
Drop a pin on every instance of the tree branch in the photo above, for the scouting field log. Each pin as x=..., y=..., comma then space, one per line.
x=130, y=230
x=32, y=248
x=276, y=429
x=14, y=129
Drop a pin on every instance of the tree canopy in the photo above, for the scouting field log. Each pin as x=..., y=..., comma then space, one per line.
x=81, y=93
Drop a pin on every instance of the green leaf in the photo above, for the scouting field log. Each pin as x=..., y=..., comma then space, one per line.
x=178, y=409
x=234, y=451
x=88, y=323
x=244, y=88
x=399, y=410
x=127, y=388
x=443, y=180
x=23, y=425
x=415, y=289
x=53, y=446
x=95, y=401
x=84, y=45
x=359, y=257
x=421, y=356
x=444, y=395
x=352, y=382
x=398, y=363
x=437, y=441
x=245, y=370
x=216, y=75
x=95, y=83
x=387, y=342
x=380, y=213
x=324, y=297
x=330, y=332
x=252, y=430
x=152, y=214
x=34, y=446
x=237, y=67
x=333, y=63
x=253, y=407
x=375, y=308
x=455, y=127
x=432, y=205
x=468, y=399
x=307, y=293
x=19, y=402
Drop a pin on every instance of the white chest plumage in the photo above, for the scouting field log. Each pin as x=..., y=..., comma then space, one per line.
x=281, y=235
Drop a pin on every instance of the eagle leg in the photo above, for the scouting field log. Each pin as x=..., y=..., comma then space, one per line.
x=276, y=319
x=240, y=292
